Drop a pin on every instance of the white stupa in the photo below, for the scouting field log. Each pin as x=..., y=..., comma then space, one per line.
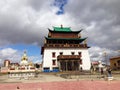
x=24, y=59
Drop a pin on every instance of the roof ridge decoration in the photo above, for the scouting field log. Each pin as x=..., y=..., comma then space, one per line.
x=65, y=29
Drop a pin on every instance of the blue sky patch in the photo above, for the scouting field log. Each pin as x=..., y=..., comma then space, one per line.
x=60, y=4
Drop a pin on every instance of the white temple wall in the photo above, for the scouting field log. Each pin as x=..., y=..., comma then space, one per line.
x=47, y=58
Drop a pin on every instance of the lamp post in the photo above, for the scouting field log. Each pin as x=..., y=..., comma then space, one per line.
x=105, y=59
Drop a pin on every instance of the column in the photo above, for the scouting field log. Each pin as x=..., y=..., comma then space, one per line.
x=66, y=65
x=72, y=65
x=78, y=64
x=59, y=65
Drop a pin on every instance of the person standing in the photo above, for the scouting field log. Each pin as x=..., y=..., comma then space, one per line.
x=109, y=72
x=102, y=71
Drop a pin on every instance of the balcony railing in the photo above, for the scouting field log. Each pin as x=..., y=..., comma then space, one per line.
x=69, y=57
x=66, y=45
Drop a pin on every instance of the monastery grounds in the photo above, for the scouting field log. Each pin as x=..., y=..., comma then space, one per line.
x=60, y=76
x=54, y=81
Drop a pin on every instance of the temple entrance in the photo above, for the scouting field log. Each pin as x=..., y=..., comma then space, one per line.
x=69, y=62
x=69, y=65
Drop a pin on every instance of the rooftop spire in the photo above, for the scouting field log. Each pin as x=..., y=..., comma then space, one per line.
x=61, y=26
x=25, y=51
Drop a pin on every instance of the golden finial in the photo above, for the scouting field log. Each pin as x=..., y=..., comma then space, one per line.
x=61, y=26
x=25, y=51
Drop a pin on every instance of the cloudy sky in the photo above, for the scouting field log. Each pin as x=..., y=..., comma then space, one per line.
x=24, y=23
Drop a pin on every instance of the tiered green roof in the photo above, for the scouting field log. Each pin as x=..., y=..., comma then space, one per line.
x=63, y=29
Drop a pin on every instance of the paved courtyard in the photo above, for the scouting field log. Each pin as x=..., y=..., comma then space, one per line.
x=55, y=82
x=63, y=85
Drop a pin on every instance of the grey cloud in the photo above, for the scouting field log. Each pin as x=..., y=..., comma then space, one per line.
x=19, y=26
x=98, y=53
x=39, y=4
x=105, y=13
x=27, y=22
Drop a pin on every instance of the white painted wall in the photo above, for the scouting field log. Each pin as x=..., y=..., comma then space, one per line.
x=47, y=58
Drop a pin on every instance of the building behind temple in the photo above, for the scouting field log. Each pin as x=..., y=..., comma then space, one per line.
x=65, y=50
x=115, y=62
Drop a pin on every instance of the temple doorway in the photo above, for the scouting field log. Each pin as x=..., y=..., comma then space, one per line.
x=69, y=65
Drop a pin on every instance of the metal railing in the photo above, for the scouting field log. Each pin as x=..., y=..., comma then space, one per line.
x=66, y=45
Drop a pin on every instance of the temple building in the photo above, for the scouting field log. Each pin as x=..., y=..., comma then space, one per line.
x=65, y=50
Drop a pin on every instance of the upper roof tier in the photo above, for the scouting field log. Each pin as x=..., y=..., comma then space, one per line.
x=63, y=30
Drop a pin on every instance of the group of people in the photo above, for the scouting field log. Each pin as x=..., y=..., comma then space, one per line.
x=102, y=71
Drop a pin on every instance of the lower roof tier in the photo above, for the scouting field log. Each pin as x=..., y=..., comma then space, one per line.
x=67, y=39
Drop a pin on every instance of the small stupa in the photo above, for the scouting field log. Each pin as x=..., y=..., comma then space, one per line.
x=24, y=59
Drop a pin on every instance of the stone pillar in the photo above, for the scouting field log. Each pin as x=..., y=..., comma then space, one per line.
x=59, y=65
x=72, y=65
x=66, y=65
x=78, y=65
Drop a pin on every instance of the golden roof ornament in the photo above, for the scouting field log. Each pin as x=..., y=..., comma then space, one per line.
x=24, y=57
x=61, y=26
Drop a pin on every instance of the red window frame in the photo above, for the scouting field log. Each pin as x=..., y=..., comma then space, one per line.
x=53, y=62
x=53, y=54
x=79, y=53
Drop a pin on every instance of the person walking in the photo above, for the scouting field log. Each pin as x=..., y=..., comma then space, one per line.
x=109, y=72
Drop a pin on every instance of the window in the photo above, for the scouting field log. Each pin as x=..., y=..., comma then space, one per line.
x=61, y=53
x=79, y=53
x=53, y=62
x=72, y=53
x=53, y=54
x=118, y=62
x=115, y=64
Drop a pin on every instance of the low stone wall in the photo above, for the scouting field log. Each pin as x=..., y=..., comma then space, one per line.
x=21, y=75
